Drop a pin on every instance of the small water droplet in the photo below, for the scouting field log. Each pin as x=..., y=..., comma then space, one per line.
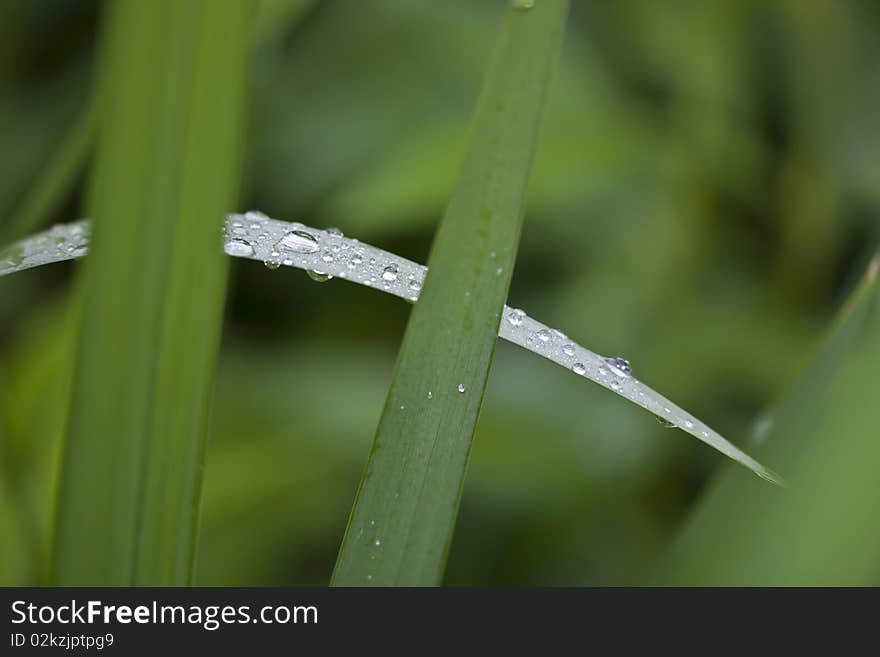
x=415, y=284
x=543, y=335
x=568, y=350
x=389, y=273
x=377, y=542
x=615, y=385
x=515, y=317
x=689, y=424
x=666, y=423
x=298, y=241
x=430, y=395
x=523, y=4
x=619, y=366
x=578, y=368
x=327, y=256
x=273, y=261
x=372, y=523
x=239, y=248
x=318, y=276
x=461, y=387
x=335, y=232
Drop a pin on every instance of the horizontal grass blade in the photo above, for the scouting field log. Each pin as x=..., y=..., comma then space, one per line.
x=168, y=162
x=255, y=236
x=824, y=529
x=403, y=518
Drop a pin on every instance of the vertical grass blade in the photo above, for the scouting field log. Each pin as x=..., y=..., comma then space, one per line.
x=402, y=521
x=172, y=94
x=824, y=530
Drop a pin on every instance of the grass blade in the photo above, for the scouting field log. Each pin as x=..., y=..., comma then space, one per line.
x=824, y=530
x=402, y=521
x=255, y=236
x=167, y=168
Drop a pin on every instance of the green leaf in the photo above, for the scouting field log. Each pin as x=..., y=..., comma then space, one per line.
x=402, y=521
x=168, y=166
x=824, y=529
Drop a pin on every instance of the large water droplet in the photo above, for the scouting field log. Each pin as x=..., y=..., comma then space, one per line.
x=238, y=248
x=389, y=273
x=298, y=241
x=619, y=366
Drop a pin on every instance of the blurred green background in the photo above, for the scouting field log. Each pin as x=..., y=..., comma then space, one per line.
x=703, y=200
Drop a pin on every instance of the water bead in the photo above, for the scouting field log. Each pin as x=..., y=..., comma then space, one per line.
x=239, y=248
x=619, y=366
x=298, y=241
x=515, y=317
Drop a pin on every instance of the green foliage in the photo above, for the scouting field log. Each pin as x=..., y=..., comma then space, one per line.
x=824, y=530
x=705, y=191
x=167, y=169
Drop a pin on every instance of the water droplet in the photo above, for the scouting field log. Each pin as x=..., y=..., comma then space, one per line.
x=543, y=335
x=666, y=423
x=12, y=256
x=499, y=271
x=327, y=256
x=461, y=387
x=318, y=276
x=369, y=577
x=689, y=424
x=273, y=261
x=335, y=232
x=515, y=317
x=298, y=241
x=523, y=4
x=568, y=350
x=389, y=273
x=430, y=395
x=238, y=248
x=377, y=542
x=355, y=260
x=578, y=368
x=619, y=366
x=255, y=216
x=415, y=284
x=372, y=523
